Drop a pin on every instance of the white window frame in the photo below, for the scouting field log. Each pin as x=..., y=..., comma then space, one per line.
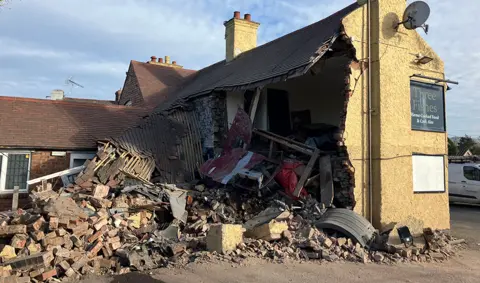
x=80, y=155
x=3, y=169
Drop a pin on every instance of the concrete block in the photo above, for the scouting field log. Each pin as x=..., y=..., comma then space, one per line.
x=224, y=237
x=268, y=230
x=8, y=252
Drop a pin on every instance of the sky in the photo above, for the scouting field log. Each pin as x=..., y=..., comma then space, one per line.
x=45, y=42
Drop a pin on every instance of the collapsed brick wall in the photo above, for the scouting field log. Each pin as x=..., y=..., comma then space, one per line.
x=343, y=170
x=212, y=117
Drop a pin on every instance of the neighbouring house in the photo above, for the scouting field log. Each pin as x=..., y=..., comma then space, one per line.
x=464, y=152
x=389, y=108
x=149, y=84
x=41, y=136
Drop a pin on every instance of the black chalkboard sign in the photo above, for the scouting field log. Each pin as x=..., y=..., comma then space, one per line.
x=428, y=107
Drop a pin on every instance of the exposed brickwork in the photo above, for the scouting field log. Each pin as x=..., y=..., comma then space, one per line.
x=43, y=163
x=131, y=90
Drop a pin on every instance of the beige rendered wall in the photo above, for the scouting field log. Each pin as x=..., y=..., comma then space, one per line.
x=393, y=141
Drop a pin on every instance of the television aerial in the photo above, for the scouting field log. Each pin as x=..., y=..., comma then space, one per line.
x=69, y=81
x=415, y=16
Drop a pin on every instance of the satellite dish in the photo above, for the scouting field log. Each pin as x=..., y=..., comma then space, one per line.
x=415, y=16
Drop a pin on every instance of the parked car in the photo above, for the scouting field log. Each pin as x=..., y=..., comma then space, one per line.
x=464, y=182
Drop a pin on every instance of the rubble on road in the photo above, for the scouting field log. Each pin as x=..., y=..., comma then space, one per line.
x=76, y=231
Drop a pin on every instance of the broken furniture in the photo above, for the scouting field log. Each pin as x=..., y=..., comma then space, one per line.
x=326, y=184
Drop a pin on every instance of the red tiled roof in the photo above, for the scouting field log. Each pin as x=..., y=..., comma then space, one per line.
x=55, y=124
x=157, y=82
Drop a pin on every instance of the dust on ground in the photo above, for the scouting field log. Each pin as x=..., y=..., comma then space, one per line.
x=463, y=268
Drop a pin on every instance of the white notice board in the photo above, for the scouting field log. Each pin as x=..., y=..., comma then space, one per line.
x=428, y=173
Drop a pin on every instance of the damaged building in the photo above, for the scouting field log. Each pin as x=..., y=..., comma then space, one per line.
x=326, y=144
x=315, y=111
x=318, y=106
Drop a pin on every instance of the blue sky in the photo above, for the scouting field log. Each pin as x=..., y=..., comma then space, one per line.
x=43, y=42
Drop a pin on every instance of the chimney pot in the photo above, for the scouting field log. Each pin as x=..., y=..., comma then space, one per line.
x=167, y=59
x=248, y=17
x=153, y=58
x=174, y=62
x=160, y=60
x=236, y=15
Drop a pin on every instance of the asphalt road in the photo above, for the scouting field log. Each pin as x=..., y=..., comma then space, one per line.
x=465, y=223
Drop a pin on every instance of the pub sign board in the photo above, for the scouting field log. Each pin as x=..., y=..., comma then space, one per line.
x=428, y=107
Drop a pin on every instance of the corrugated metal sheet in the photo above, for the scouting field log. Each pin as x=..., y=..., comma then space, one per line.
x=173, y=141
x=190, y=148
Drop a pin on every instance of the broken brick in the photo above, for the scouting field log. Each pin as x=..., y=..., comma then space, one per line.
x=19, y=241
x=53, y=223
x=95, y=249
x=115, y=246
x=61, y=232
x=80, y=229
x=36, y=225
x=64, y=265
x=47, y=274
x=37, y=235
x=80, y=263
x=97, y=235
x=102, y=222
x=76, y=241
x=70, y=272
x=11, y=230
x=56, y=241
x=100, y=191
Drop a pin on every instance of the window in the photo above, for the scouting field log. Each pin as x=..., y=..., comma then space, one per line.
x=128, y=103
x=79, y=158
x=15, y=170
x=471, y=173
x=427, y=107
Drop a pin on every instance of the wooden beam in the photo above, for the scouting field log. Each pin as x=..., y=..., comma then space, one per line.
x=306, y=173
x=254, y=104
x=57, y=174
x=326, y=181
x=16, y=191
x=287, y=142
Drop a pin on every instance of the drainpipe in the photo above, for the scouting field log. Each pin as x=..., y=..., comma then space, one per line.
x=369, y=98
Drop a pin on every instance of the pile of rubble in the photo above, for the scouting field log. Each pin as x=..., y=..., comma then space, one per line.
x=76, y=231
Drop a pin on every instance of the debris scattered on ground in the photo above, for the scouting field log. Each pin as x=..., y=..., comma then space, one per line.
x=76, y=231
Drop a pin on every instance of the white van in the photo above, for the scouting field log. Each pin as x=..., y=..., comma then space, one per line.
x=464, y=182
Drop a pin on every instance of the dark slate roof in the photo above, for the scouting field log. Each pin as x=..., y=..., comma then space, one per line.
x=279, y=58
x=57, y=124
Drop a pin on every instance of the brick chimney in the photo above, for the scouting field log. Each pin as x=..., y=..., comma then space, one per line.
x=162, y=62
x=240, y=35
